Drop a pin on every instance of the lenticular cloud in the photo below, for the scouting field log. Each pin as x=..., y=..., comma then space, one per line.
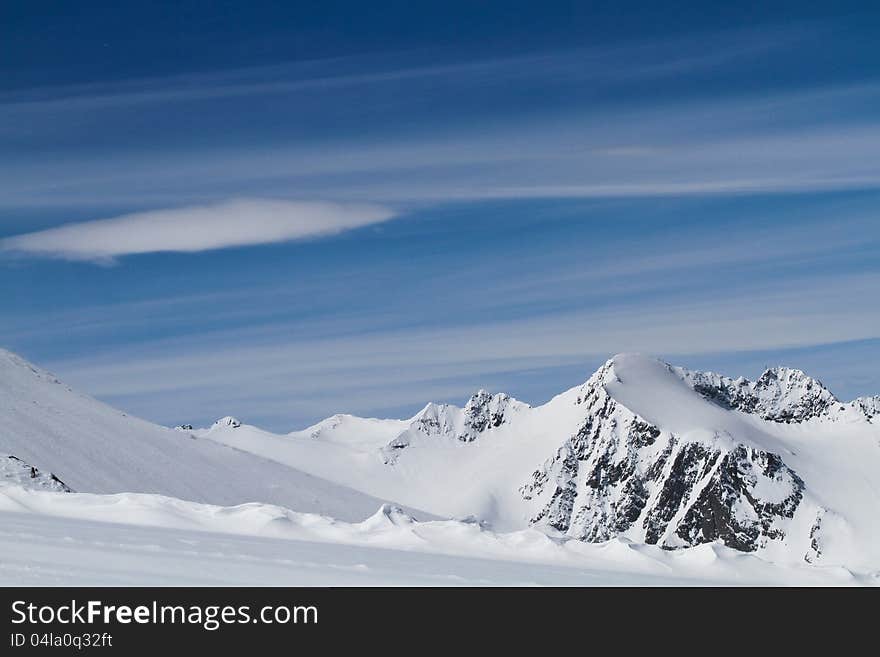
x=239, y=222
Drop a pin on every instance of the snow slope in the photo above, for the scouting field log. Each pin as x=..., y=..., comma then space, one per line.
x=92, y=447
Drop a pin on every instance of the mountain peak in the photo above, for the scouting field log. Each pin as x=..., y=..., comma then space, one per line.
x=787, y=375
x=484, y=411
x=480, y=397
x=628, y=364
x=653, y=461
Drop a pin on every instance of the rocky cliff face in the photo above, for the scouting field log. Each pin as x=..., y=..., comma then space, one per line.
x=484, y=411
x=621, y=475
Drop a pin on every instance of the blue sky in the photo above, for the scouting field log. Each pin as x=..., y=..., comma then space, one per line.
x=286, y=210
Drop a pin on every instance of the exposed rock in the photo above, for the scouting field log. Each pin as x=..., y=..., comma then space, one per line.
x=15, y=471
x=815, y=551
x=781, y=394
x=868, y=406
x=227, y=421
x=620, y=475
x=482, y=412
x=729, y=508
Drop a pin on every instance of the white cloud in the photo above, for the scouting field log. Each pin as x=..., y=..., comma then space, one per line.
x=237, y=222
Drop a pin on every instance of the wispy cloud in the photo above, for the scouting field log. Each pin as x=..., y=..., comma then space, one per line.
x=716, y=119
x=656, y=59
x=648, y=118
x=241, y=371
x=769, y=144
x=238, y=222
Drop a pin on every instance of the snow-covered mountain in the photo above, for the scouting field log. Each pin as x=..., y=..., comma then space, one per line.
x=678, y=472
x=642, y=452
x=447, y=422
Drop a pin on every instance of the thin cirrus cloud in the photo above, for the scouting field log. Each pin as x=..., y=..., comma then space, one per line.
x=709, y=147
x=658, y=58
x=239, y=222
x=358, y=372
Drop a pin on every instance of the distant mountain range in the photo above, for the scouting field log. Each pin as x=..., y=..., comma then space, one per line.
x=642, y=451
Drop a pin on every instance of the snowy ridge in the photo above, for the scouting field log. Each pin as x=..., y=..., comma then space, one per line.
x=92, y=447
x=353, y=431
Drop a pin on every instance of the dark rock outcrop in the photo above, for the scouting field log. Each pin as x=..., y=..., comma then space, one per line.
x=620, y=475
x=14, y=470
x=780, y=394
